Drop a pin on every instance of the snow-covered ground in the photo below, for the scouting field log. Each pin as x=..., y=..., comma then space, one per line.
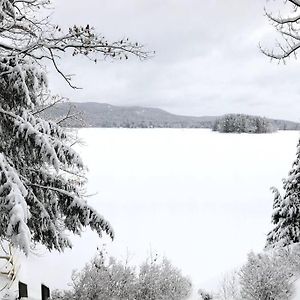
x=199, y=197
x=296, y=296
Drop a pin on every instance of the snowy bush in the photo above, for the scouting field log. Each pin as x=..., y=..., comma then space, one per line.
x=242, y=123
x=41, y=177
x=161, y=280
x=267, y=277
x=104, y=279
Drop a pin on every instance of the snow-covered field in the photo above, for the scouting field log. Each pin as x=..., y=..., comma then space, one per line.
x=199, y=197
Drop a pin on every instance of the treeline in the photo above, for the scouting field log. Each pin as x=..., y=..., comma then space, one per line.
x=243, y=123
x=153, y=124
x=106, y=278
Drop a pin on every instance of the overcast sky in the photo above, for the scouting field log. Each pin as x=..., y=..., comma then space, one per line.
x=207, y=58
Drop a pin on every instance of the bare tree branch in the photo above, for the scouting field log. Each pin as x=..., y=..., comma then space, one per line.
x=289, y=29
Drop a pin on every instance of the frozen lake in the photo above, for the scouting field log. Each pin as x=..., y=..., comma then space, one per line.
x=200, y=198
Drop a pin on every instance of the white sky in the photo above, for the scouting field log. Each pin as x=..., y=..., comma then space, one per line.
x=207, y=58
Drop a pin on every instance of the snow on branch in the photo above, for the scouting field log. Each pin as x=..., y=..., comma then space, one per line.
x=22, y=81
x=12, y=195
x=52, y=150
x=67, y=210
x=78, y=212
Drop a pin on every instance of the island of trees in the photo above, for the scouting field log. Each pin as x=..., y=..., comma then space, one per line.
x=243, y=123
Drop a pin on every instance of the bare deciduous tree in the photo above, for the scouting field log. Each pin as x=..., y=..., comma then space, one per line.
x=230, y=287
x=26, y=33
x=288, y=27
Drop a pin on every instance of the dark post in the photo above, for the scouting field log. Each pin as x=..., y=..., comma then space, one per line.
x=23, y=290
x=45, y=292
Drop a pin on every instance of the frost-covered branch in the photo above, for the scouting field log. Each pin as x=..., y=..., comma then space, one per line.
x=13, y=193
x=73, y=202
x=288, y=28
x=23, y=34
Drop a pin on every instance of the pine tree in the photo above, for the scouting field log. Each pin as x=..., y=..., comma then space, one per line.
x=286, y=209
x=41, y=177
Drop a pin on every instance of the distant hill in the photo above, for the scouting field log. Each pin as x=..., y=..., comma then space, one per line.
x=92, y=114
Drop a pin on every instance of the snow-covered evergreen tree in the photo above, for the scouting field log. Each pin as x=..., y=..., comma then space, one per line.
x=41, y=176
x=286, y=209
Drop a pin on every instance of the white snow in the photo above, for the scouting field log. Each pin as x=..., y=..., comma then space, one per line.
x=201, y=198
x=296, y=296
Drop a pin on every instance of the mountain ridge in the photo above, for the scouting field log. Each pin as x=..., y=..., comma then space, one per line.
x=104, y=115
